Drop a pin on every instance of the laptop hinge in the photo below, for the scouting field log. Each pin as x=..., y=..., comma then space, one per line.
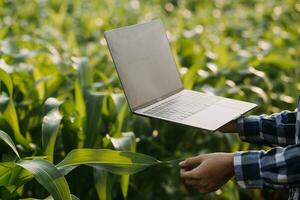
x=157, y=99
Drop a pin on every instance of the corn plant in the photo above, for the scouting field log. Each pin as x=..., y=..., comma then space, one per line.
x=61, y=102
x=43, y=169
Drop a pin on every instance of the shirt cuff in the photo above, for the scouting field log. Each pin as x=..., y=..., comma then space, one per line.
x=247, y=169
x=249, y=129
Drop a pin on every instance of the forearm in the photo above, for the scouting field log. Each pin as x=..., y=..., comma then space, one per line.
x=276, y=129
x=277, y=168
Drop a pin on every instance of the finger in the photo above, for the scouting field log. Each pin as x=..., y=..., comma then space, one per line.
x=183, y=170
x=189, y=168
x=186, y=174
x=190, y=162
x=189, y=174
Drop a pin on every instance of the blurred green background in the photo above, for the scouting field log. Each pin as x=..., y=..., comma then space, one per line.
x=243, y=49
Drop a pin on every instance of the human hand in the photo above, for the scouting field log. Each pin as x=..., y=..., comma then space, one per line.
x=207, y=172
x=230, y=127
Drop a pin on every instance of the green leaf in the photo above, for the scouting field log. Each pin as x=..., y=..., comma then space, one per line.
x=108, y=109
x=9, y=113
x=5, y=172
x=39, y=84
x=13, y=175
x=72, y=196
x=190, y=77
x=50, y=126
x=5, y=78
x=71, y=132
x=103, y=184
x=5, y=137
x=93, y=118
x=121, y=109
x=119, y=100
x=4, y=101
x=49, y=177
x=258, y=91
x=126, y=143
x=124, y=184
x=85, y=72
x=116, y=162
x=51, y=104
x=79, y=100
x=285, y=62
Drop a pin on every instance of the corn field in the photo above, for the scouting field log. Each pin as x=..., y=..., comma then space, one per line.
x=66, y=131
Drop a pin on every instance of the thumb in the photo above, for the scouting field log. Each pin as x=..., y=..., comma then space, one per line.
x=191, y=162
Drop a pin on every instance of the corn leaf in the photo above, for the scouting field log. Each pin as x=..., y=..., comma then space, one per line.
x=72, y=196
x=79, y=100
x=5, y=172
x=116, y=162
x=9, y=113
x=10, y=116
x=5, y=137
x=12, y=174
x=39, y=84
x=190, y=77
x=93, y=121
x=103, y=184
x=125, y=143
x=49, y=177
x=85, y=72
x=71, y=131
x=5, y=78
x=51, y=198
x=50, y=126
x=4, y=101
x=121, y=114
x=284, y=62
x=119, y=100
x=102, y=178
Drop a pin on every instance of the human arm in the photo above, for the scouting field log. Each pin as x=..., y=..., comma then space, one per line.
x=275, y=129
x=276, y=168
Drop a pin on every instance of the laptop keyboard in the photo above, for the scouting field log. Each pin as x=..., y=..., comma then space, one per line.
x=182, y=106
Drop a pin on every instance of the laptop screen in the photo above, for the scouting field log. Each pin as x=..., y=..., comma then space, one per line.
x=144, y=62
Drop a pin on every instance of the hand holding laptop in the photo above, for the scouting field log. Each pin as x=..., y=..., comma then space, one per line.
x=230, y=127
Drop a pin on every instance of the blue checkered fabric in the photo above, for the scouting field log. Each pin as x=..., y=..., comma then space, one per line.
x=278, y=167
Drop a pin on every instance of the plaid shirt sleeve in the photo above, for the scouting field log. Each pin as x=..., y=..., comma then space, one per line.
x=277, y=168
x=276, y=129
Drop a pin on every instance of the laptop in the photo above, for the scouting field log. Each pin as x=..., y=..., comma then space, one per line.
x=152, y=85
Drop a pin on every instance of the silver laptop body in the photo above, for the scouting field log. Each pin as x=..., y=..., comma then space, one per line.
x=152, y=85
